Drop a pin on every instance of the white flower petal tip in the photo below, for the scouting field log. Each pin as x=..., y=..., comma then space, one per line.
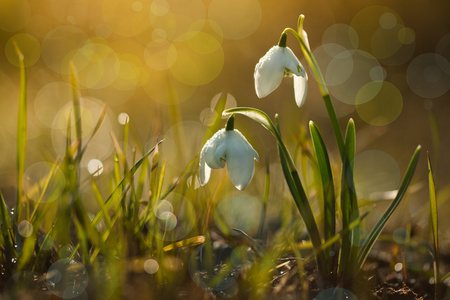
x=232, y=148
x=300, y=89
x=277, y=63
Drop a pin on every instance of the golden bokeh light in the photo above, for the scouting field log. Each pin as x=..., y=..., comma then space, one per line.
x=375, y=172
x=368, y=20
x=35, y=179
x=96, y=64
x=383, y=34
x=125, y=20
x=29, y=46
x=179, y=134
x=50, y=99
x=341, y=34
x=100, y=146
x=428, y=75
x=346, y=71
x=238, y=19
x=384, y=105
x=59, y=42
x=160, y=57
x=67, y=113
x=175, y=18
x=199, y=60
x=162, y=87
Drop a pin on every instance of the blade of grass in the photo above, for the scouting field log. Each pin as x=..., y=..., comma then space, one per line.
x=46, y=184
x=434, y=226
x=7, y=231
x=255, y=244
x=126, y=130
x=189, y=242
x=378, y=228
x=326, y=175
x=340, y=235
x=264, y=202
x=327, y=181
x=26, y=254
x=301, y=200
x=141, y=180
x=101, y=203
x=116, y=195
x=21, y=133
x=116, y=171
x=349, y=205
x=76, y=105
x=96, y=128
x=82, y=240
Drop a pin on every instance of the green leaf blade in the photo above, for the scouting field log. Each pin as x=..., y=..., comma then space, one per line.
x=434, y=224
x=378, y=228
x=349, y=205
x=327, y=181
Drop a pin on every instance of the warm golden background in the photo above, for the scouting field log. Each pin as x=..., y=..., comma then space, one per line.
x=164, y=62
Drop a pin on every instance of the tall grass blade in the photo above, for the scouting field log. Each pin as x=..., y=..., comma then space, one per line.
x=327, y=181
x=44, y=190
x=101, y=204
x=117, y=194
x=76, y=105
x=7, y=230
x=126, y=131
x=434, y=225
x=96, y=128
x=189, y=242
x=82, y=240
x=21, y=133
x=340, y=235
x=349, y=205
x=26, y=254
x=378, y=228
x=329, y=218
x=264, y=202
x=301, y=200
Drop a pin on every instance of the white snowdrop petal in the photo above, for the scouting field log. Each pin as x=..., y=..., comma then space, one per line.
x=220, y=155
x=241, y=169
x=300, y=89
x=292, y=63
x=210, y=148
x=269, y=72
x=204, y=171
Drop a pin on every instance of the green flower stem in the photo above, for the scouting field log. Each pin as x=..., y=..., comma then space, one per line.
x=322, y=86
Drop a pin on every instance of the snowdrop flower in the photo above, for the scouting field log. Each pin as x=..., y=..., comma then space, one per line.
x=279, y=62
x=232, y=148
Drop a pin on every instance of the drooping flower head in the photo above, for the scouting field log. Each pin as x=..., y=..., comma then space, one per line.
x=277, y=63
x=232, y=148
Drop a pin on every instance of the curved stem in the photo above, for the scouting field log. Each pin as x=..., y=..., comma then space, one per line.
x=322, y=86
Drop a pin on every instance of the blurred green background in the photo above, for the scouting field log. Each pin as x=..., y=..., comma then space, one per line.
x=163, y=64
